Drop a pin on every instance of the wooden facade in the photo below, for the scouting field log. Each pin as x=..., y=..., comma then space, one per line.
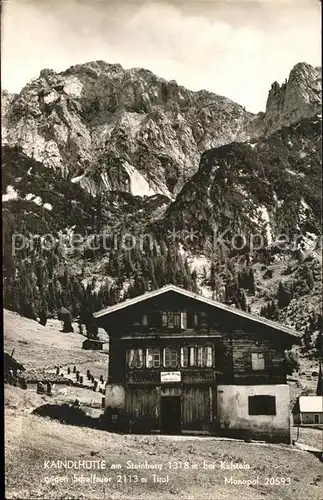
x=170, y=350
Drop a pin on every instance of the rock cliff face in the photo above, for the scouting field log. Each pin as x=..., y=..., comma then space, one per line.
x=270, y=186
x=299, y=97
x=115, y=129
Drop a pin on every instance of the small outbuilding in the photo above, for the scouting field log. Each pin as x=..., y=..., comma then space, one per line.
x=11, y=366
x=93, y=344
x=308, y=410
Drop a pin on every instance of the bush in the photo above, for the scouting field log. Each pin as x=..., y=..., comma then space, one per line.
x=292, y=361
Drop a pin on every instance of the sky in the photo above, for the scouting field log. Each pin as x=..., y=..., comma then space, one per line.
x=235, y=48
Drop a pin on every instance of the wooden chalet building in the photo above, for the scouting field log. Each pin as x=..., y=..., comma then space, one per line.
x=182, y=362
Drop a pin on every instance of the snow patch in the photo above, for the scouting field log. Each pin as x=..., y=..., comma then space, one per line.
x=181, y=250
x=198, y=263
x=37, y=200
x=309, y=242
x=305, y=206
x=304, y=209
x=262, y=217
x=52, y=97
x=74, y=180
x=138, y=184
x=34, y=198
x=73, y=87
x=295, y=174
x=11, y=194
x=242, y=191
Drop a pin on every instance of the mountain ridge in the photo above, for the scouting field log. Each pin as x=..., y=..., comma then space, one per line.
x=109, y=128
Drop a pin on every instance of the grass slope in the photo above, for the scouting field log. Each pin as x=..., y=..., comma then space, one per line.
x=41, y=348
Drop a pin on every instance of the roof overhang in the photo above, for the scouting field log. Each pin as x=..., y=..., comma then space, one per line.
x=213, y=303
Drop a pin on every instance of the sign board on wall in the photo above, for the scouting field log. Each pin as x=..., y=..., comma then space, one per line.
x=170, y=377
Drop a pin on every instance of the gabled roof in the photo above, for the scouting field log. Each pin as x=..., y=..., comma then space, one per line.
x=10, y=362
x=96, y=341
x=313, y=404
x=218, y=305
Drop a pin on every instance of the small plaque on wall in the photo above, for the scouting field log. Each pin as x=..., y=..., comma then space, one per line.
x=170, y=377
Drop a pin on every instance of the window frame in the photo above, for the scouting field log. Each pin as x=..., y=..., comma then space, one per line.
x=184, y=358
x=173, y=357
x=138, y=353
x=253, y=411
x=174, y=319
x=201, y=356
x=255, y=365
x=154, y=351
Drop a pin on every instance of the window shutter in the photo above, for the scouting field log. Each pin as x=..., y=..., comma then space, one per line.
x=204, y=319
x=183, y=320
x=145, y=320
x=247, y=359
x=190, y=319
x=268, y=359
x=149, y=357
x=155, y=318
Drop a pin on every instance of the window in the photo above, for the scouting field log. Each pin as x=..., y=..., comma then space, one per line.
x=170, y=357
x=262, y=405
x=208, y=356
x=152, y=358
x=200, y=353
x=145, y=320
x=149, y=358
x=183, y=320
x=203, y=319
x=316, y=419
x=156, y=358
x=201, y=356
x=184, y=356
x=174, y=320
x=258, y=361
x=192, y=356
x=192, y=320
x=135, y=358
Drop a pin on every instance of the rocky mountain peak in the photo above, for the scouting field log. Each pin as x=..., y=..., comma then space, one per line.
x=127, y=129
x=298, y=97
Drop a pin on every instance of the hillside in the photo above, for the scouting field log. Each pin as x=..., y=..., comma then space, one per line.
x=42, y=348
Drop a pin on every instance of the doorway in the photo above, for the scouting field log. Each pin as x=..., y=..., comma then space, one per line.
x=170, y=414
